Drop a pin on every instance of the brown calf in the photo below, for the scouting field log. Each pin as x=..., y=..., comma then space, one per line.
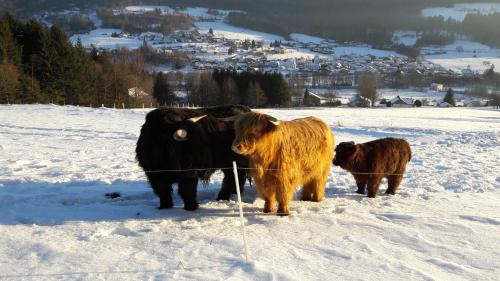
x=371, y=161
x=284, y=155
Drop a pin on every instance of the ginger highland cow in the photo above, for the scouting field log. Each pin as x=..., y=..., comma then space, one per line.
x=370, y=162
x=284, y=155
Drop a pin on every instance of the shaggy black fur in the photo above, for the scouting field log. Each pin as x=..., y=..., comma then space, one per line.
x=208, y=145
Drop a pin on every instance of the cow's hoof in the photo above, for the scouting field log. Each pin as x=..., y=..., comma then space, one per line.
x=268, y=210
x=360, y=191
x=191, y=206
x=283, y=214
x=371, y=195
x=223, y=198
x=166, y=206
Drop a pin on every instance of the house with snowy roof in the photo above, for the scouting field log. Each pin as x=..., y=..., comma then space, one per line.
x=402, y=102
x=136, y=92
x=311, y=99
x=359, y=101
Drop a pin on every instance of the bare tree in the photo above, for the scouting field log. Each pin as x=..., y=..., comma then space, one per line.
x=229, y=93
x=202, y=90
x=9, y=82
x=367, y=87
x=255, y=95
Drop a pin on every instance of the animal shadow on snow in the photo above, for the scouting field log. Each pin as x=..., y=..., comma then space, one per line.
x=43, y=203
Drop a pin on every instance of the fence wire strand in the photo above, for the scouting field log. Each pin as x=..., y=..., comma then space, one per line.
x=55, y=174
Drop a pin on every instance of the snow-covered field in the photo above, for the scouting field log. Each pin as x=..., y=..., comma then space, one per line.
x=473, y=56
x=102, y=38
x=459, y=11
x=57, y=164
x=228, y=31
x=463, y=54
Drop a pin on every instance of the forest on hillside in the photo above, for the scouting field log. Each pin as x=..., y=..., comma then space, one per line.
x=368, y=21
x=40, y=65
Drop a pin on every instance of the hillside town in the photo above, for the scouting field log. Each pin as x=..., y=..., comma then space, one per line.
x=208, y=51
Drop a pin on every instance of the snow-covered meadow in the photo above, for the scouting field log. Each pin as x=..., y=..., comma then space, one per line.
x=57, y=163
x=463, y=54
x=459, y=11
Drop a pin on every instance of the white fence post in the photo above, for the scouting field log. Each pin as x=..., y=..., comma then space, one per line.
x=237, y=182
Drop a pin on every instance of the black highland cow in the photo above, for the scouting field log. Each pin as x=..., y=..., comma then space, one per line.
x=193, y=140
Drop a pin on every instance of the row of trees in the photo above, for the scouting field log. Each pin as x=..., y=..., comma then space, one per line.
x=150, y=21
x=220, y=87
x=367, y=89
x=73, y=24
x=38, y=64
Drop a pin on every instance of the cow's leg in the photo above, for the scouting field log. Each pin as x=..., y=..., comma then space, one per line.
x=283, y=196
x=242, y=178
x=373, y=185
x=314, y=190
x=319, y=190
x=393, y=183
x=270, y=198
x=228, y=185
x=307, y=191
x=187, y=191
x=162, y=187
x=361, y=183
x=268, y=192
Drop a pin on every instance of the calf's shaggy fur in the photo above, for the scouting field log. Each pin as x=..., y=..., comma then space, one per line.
x=284, y=155
x=372, y=161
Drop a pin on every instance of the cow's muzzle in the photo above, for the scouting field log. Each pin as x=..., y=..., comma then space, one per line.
x=236, y=148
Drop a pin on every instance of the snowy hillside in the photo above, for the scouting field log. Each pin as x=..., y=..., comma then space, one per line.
x=57, y=164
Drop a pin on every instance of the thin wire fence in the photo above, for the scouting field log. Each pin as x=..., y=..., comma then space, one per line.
x=52, y=173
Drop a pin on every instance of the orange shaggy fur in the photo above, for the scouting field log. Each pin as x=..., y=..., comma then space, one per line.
x=297, y=152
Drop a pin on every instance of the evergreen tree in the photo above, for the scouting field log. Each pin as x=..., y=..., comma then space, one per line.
x=494, y=100
x=162, y=91
x=9, y=49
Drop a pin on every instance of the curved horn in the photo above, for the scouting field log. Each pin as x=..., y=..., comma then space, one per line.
x=274, y=122
x=196, y=119
x=180, y=135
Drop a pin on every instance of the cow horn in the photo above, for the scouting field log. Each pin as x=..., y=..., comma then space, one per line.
x=196, y=119
x=274, y=122
x=180, y=135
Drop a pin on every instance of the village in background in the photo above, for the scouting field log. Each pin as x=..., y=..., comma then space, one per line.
x=146, y=56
